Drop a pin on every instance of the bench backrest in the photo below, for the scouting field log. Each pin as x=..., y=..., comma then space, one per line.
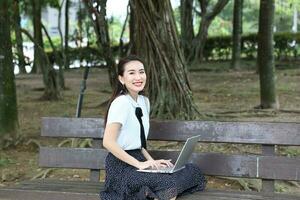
x=267, y=166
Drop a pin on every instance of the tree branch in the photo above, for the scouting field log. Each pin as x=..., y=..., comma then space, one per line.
x=217, y=9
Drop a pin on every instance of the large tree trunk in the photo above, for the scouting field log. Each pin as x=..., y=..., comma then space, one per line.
x=38, y=37
x=19, y=39
x=98, y=9
x=66, y=46
x=198, y=44
x=186, y=25
x=8, y=99
x=265, y=58
x=237, y=33
x=157, y=43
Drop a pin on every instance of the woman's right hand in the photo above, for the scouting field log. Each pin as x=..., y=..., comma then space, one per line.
x=154, y=164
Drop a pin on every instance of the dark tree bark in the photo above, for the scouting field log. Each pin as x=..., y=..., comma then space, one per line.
x=38, y=37
x=186, y=25
x=19, y=39
x=51, y=91
x=122, y=51
x=8, y=99
x=237, y=33
x=265, y=58
x=66, y=46
x=157, y=43
x=198, y=44
x=98, y=9
x=61, y=57
x=132, y=46
x=58, y=59
x=80, y=18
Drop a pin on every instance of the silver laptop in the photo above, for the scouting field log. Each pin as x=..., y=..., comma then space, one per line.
x=182, y=159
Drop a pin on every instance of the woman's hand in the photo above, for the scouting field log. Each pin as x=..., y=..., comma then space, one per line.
x=155, y=164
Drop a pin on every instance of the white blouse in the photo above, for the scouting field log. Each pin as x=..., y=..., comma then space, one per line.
x=122, y=110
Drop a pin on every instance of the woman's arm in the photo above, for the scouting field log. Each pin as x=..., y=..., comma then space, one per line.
x=146, y=154
x=110, y=143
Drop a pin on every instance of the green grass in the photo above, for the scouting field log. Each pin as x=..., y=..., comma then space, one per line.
x=6, y=161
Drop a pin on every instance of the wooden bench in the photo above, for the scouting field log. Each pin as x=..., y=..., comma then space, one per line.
x=267, y=166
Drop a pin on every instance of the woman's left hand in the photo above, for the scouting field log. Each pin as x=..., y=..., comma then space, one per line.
x=165, y=163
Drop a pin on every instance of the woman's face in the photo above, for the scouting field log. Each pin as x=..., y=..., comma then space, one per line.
x=134, y=77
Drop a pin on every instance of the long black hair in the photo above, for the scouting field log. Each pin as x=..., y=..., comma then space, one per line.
x=121, y=89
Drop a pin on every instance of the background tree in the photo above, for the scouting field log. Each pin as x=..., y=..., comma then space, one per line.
x=186, y=25
x=19, y=39
x=207, y=16
x=66, y=40
x=8, y=99
x=58, y=59
x=37, y=34
x=51, y=90
x=122, y=50
x=61, y=57
x=265, y=58
x=97, y=13
x=132, y=36
x=195, y=45
x=156, y=41
x=237, y=33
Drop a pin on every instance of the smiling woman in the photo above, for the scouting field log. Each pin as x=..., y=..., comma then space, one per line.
x=134, y=78
x=126, y=130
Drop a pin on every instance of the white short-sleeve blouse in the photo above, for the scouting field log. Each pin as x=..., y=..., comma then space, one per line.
x=122, y=110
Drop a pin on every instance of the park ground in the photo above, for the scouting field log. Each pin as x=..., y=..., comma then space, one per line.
x=220, y=94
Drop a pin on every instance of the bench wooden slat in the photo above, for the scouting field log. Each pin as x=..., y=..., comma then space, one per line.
x=251, y=166
x=77, y=158
x=30, y=194
x=72, y=127
x=91, y=192
x=228, y=132
x=219, y=132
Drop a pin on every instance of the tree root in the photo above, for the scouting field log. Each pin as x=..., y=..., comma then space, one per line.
x=64, y=142
x=76, y=143
x=294, y=183
x=246, y=184
x=9, y=141
x=43, y=174
x=34, y=142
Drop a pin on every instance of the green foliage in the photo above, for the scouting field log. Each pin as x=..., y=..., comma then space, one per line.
x=222, y=24
x=90, y=54
x=115, y=29
x=219, y=47
x=52, y=3
x=56, y=42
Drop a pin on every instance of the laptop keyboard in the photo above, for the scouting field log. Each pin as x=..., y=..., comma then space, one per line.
x=163, y=169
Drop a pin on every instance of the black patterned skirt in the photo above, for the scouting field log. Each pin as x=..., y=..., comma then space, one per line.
x=124, y=182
